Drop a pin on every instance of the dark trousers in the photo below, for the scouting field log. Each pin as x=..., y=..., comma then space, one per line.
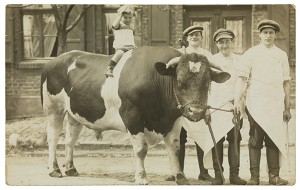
x=200, y=152
x=258, y=135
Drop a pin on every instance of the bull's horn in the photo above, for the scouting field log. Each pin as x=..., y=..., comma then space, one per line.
x=173, y=62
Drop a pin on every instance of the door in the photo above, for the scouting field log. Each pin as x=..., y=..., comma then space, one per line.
x=234, y=17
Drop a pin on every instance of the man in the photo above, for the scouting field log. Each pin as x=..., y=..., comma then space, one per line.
x=221, y=95
x=193, y=35
x=266, y=68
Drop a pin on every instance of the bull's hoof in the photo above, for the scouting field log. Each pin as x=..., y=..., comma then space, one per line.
x=181, y=180
x=56, y=173
x=141, y=179
x=71, y=172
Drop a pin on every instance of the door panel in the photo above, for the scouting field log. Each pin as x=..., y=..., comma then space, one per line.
x=211, y=18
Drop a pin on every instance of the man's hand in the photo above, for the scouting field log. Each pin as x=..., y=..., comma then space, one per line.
x=236, y=115
x=287, y=115
x=173, y=62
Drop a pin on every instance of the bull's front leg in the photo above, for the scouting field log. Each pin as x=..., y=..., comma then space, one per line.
x=172, y=141
x=140, y=149
x=73, y=129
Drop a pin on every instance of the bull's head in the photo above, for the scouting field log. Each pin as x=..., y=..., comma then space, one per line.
x=191, y=80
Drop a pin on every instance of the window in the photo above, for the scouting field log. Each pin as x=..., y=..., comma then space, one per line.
x=39, y=32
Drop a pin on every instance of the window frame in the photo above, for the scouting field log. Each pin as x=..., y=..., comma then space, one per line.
x=36, y=62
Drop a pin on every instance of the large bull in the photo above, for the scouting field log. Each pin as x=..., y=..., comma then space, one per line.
x=143, y=98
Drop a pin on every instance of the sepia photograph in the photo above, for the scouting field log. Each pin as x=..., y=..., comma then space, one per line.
x=150, y=94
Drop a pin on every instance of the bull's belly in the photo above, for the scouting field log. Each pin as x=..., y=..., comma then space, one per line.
x=152, y=138
x=110, y=121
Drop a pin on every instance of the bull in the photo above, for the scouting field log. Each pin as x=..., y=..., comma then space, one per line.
x=143, y=99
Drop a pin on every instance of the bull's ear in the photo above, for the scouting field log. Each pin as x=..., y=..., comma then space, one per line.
x=218, y=76
x=162, y=70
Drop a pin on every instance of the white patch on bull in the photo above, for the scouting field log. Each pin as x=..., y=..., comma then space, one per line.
x=60, y=104
x=111, y=98
x=152, y=138
x=72, y=66
x=194, y=67
x=53, y=103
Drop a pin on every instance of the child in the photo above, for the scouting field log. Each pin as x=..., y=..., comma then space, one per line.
x=124, y=39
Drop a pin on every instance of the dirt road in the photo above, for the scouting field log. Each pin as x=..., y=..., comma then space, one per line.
x=115, y=166
x=111, y=161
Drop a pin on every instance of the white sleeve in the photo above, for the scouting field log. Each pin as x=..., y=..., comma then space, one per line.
x=286, y=67
x=245, y=62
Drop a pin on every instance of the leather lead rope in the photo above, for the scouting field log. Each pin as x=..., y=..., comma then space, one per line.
x=216, y=151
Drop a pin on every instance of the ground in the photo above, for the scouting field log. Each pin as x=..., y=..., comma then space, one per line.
x=111, y=161
x=114, y=165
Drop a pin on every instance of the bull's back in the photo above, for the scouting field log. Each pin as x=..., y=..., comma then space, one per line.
x=77, y=77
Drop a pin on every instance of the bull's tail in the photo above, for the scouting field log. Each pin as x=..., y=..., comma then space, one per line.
x=43, y=79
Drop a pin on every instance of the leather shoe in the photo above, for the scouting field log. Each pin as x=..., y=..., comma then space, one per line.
x=205, y=177
x=170, y=178
x=276, y=180
x=253, y=181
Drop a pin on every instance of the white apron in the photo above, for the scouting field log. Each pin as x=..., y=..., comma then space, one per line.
x=265, y=93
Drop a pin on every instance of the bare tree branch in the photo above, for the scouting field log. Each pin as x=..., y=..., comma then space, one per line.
x=66, y=17
x=56, y=15
x=76, y=21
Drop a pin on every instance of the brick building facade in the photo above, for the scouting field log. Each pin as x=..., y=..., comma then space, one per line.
x=158, y=25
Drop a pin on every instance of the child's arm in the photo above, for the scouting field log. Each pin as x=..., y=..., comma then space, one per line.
x=116, y=23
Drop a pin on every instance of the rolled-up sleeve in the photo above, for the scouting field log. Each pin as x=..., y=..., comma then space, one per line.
x=286, y=67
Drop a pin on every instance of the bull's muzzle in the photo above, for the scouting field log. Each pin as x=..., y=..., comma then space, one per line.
x=196, y=112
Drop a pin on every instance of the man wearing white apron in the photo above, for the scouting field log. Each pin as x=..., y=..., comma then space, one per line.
x=193, y=35
x=265, y=74
x=222, y=96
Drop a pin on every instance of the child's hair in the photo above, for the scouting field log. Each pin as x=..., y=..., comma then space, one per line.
x=130, y=12
x=126, y=10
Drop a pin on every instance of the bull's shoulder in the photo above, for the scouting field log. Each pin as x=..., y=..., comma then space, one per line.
x=160, y=49
x=149, y=55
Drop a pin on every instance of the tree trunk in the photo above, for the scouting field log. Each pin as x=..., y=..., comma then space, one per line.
x=62, y=43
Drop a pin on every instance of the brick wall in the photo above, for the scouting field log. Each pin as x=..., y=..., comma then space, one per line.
x=22, y=82
x=176, y=25
x=292, y=41
x=145, y=24
x=22, y=92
